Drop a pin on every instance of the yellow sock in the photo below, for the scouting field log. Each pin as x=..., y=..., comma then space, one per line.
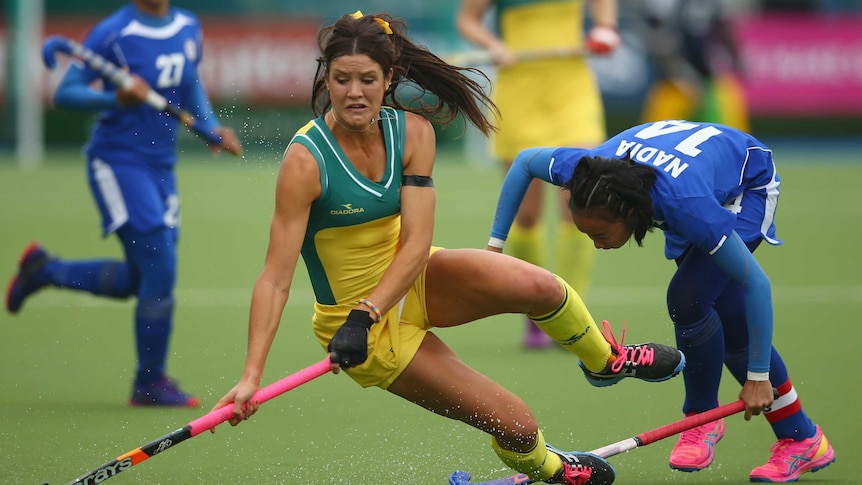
x=538, y=463
x=526, y=244
x=575, y=256
x=572, y=326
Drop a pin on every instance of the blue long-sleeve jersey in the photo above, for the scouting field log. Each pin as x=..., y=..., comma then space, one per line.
x=165, y=52
x=704, y=171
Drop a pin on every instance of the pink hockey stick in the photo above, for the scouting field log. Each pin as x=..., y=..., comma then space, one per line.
x=198, y=426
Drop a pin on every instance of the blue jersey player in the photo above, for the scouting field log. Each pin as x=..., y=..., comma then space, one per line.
x=130, y=163
x=713, y=191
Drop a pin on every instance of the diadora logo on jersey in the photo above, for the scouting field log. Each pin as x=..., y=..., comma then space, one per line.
x=347, y=210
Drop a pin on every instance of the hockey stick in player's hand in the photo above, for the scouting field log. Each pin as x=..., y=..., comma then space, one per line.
x=120, y=78
x=196, y=427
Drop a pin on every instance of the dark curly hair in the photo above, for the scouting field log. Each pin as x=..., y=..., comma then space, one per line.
x=454, y=91
x=613, y=189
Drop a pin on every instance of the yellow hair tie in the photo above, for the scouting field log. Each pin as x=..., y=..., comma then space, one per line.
x=358, y=15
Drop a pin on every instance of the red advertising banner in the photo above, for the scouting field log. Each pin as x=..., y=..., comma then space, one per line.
x=795, y=65
x=259, y=61
x=802, y=65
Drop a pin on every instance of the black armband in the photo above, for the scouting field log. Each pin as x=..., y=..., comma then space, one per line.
x=417, y=181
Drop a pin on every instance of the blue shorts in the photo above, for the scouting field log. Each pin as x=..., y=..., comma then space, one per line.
x=143, y=197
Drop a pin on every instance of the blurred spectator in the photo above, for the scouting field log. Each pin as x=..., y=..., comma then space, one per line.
x=538, y=96
x=789, y=4
x=698, y=68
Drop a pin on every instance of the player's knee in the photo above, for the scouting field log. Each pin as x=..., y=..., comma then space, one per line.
x=116, y=280
x=517, y=434
x=687, y=307
x=542, y=287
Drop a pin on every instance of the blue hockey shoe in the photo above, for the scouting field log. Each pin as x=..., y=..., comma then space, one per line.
x=161, y=392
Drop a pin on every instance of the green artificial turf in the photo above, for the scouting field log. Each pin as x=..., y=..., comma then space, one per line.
x=67, y=359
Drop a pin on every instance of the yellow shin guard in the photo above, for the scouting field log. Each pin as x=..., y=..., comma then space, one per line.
x=572, y=326
x=538, y=463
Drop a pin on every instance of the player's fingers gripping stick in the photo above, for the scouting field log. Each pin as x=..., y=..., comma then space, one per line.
x=349, y=345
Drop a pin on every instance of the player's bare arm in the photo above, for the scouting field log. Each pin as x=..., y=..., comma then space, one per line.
x=417, y=216
x=298, y=185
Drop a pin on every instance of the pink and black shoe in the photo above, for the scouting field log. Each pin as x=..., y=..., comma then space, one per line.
x=580, y=468
x=648, y=362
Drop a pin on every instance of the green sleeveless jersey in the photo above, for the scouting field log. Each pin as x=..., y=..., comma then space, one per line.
x=354, y=227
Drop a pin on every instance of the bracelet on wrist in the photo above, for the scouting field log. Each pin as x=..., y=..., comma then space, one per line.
x=373, y=307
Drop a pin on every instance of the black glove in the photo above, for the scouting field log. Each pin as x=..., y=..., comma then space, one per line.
x=349, y=345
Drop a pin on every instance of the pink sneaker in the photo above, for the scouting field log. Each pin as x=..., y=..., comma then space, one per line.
x=791, y=458
x=695, y=448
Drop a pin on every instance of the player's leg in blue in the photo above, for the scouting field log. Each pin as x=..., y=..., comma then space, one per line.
x=153, y=256
x=37, y=269
x=691, y=297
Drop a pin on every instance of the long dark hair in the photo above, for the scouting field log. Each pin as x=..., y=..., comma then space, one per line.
x=614, y=189
x=455, y=92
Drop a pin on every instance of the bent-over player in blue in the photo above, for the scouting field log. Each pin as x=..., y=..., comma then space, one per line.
x=713, y=190
x=130, y=165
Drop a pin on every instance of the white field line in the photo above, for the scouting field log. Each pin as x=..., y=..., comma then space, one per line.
x=616, y=295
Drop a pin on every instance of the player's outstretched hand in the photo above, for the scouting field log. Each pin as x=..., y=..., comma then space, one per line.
x=229, y=142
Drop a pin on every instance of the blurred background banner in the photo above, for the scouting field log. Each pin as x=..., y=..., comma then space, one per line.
x=802, y=65
x=260, y=61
